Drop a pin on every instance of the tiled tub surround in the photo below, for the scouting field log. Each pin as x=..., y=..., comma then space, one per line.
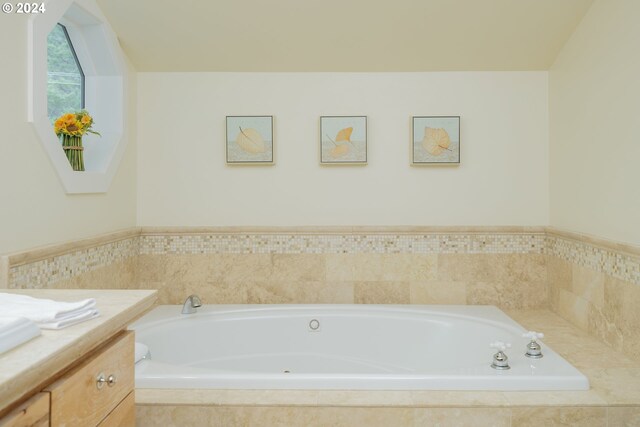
x=592, y=283
x=507, y=280
x=106, y=261
x=596, y=286
x=502, y=266
x=505, y=267
x=613, y=399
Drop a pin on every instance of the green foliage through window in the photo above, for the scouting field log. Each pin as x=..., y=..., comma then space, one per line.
x=65, y=79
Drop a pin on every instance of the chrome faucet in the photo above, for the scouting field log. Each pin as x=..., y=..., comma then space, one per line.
x=190, y=304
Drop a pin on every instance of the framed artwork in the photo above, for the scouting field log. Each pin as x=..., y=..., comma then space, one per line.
x=249, y=140
x=343, y=140
x=435, y=140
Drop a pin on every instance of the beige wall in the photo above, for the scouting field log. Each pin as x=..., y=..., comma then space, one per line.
x=183, y=179
x=594, y=93
x=34, y=208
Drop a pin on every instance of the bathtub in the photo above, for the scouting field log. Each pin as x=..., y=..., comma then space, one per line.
x=355, y=347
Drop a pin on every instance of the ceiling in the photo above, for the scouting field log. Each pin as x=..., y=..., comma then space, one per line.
x=343, y=35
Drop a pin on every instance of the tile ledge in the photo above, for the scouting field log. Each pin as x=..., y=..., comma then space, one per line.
x=191, y=230
x=58, y=249
x=611, y=245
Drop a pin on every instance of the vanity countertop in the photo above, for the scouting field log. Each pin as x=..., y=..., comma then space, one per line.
x=31, y=366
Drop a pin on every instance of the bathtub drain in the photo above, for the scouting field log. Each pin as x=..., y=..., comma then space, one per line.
x=314, y=325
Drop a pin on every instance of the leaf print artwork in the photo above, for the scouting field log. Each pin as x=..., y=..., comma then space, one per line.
x=340, y=150
x=343, y=140
x=436, y=141
x=250, y=141
x=344, y=135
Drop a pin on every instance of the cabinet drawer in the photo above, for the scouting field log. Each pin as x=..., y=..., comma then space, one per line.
x=80, y=399
x=32, y=413
x=124, y=415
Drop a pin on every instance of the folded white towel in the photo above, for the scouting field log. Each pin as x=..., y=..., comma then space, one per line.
x=15, y=331
x=48, y=314
x=141, y=352
x=70, y=320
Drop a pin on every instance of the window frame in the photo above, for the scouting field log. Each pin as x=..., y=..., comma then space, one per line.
x=106, y=92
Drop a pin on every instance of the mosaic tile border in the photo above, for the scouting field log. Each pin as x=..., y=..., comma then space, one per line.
x=43, y=273
x=616, y=264
x=295, y=243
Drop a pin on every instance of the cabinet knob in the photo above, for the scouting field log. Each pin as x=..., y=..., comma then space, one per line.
x=100, y=380
x=111, y=380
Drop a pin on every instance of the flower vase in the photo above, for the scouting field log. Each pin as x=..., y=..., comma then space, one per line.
x=72, y=146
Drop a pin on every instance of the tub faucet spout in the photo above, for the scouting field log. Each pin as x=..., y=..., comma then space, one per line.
x=190, y=304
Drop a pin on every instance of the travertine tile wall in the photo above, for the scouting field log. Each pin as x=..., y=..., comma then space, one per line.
x=507, y=280
x=505, y=269
x=211, y=416
x=596, y=288
x=4, y=272
x=200, y=416
x=108, y=265
x=593, y=284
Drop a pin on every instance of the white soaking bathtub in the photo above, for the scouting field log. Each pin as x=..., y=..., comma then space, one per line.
x=355, y=347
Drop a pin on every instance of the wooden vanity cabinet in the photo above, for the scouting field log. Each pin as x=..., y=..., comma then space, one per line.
x=97, y=391
x=93, y=390
x=32, y=413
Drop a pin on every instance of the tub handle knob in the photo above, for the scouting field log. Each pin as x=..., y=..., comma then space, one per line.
x=534, y=350
x=500, y=346
x=533, y=335
x=500, y=360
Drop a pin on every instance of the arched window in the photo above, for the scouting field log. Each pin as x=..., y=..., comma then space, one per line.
x=65, y=78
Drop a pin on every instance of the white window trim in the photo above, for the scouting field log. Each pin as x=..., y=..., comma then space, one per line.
x=106, y=84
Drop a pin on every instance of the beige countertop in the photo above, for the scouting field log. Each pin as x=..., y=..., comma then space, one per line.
x=614, y=378
x=30, y=366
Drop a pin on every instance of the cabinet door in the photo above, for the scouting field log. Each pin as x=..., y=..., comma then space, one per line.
x=32, y=413
x=124, y=415
x=90, y=391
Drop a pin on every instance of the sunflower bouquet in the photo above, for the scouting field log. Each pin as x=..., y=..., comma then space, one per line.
x=70, y=128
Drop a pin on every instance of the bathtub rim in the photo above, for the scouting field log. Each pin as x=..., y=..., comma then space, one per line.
x=486, y=314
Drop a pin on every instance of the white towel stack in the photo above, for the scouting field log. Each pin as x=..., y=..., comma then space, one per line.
x=15, y=331
x=48, y=314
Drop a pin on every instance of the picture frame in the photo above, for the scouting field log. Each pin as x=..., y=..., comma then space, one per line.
x=343, y=140
x=249, y=140
x=435, y=140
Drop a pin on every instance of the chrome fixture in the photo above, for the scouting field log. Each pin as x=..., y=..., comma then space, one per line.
x=190, y=304
x=500, y=360
x=533, y=348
